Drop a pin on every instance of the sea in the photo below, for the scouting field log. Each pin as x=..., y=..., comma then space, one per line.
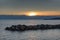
x=52, y=34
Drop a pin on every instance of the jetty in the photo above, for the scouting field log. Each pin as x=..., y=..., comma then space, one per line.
x=32, y=27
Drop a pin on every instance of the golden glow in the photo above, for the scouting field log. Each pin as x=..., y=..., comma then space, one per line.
x=31, y=14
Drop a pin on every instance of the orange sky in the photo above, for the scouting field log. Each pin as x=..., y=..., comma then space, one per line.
x=27, y=12
x=21, y=7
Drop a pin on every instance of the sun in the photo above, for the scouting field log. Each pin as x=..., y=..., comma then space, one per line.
x=32, y=14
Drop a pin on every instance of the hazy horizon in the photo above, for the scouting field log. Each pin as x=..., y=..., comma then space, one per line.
x=21, y=7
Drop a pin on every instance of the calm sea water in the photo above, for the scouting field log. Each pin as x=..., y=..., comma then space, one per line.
x=29, y=35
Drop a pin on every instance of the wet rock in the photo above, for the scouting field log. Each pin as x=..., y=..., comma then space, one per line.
x=32, y=27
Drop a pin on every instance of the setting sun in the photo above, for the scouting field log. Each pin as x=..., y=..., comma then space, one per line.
x=32, y=14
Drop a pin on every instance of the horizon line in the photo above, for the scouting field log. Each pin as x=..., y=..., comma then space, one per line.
x=26, y=15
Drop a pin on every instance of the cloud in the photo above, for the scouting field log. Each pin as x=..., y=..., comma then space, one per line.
x=31, y=4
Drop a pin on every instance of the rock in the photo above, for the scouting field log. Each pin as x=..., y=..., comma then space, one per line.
x=32, y=27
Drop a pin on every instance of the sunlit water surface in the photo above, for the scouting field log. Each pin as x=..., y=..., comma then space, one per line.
x=31, y=34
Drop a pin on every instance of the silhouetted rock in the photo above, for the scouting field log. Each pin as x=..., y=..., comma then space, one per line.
x=7, y=28
x=32, y=27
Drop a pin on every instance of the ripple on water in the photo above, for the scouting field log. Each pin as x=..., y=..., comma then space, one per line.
x=29, y=35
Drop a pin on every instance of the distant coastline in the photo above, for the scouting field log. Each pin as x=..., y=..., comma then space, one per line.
x=23, y=17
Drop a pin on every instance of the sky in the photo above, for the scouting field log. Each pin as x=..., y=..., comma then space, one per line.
x=20, y=7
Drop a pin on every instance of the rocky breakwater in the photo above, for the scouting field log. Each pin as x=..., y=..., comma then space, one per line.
x=32, y=27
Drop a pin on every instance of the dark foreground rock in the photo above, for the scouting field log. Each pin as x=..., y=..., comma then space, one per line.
x=32, y=27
